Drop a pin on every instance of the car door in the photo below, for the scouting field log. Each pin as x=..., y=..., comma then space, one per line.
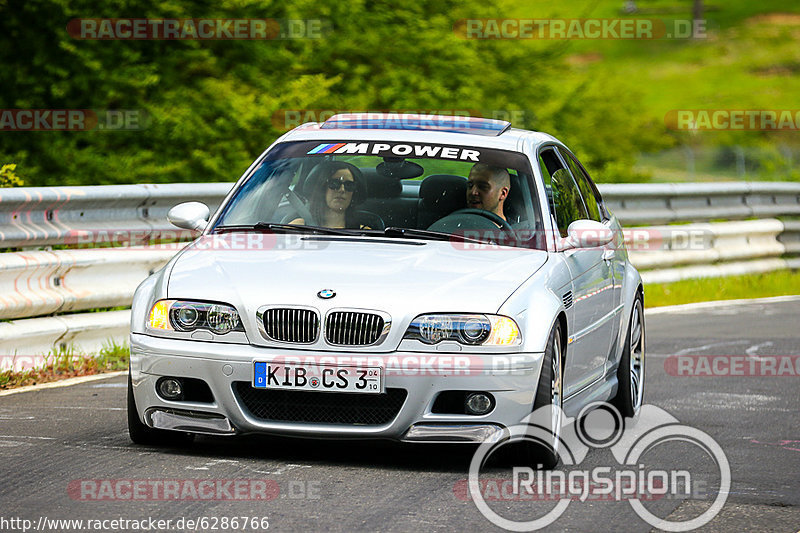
x=614, y=259
x=592, y=281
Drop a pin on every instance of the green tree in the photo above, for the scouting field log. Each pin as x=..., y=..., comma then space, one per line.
x=210, y=104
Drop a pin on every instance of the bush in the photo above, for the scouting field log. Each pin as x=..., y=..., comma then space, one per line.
x=8, y=178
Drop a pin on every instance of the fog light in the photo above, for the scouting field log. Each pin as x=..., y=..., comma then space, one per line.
x=478, y=403
x=170, y=389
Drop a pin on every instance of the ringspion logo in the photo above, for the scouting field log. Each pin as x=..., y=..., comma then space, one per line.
x=637, y=475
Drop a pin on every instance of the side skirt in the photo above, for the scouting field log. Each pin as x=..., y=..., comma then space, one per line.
x=598, y=391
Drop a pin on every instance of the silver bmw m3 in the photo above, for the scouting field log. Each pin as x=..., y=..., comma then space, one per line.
x=375, y=276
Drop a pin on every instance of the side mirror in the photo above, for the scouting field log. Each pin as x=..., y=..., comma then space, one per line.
x=189, y=215
x=588, y=234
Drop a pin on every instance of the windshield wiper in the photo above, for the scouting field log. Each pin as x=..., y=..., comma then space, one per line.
x=300, y=228
x=289, y=228
x=394, y=231
x=391, y=231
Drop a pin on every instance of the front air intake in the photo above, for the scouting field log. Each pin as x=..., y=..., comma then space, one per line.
x=352, y=328
x=287, y=324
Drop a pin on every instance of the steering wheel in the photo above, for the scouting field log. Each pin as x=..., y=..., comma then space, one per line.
x=485, y=214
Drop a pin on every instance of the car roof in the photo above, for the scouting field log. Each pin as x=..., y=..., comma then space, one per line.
x=512, y=139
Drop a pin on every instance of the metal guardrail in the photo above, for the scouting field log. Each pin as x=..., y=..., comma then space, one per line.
x=665, y=254
x=790, y=237
x=671, y=246
x=39, y=216
x=22, y=342
x=660, y=203
x=40, y=282
x=59, y=281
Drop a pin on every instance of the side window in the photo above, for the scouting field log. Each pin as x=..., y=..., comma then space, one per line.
x=592, y=205
x=562, y=192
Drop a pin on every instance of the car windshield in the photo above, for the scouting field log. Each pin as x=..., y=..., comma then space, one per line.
x=390, y=189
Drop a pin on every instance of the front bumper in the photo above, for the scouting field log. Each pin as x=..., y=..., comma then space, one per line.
x=511, y=379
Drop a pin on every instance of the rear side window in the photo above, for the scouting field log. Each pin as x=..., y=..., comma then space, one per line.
x=562, y=192
x=592, y=205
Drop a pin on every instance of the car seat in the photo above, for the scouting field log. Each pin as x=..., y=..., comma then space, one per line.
x=440, y=195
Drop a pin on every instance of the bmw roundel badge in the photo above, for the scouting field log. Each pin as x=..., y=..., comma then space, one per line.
x=326, y=294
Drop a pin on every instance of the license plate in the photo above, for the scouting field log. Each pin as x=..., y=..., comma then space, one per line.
x=321, y=378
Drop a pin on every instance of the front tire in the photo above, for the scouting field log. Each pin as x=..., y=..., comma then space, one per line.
x=547, y=421
x=630, y=374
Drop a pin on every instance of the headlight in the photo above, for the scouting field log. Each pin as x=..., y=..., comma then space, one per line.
x=183, y=315
x=473, y=330
x=222, y=318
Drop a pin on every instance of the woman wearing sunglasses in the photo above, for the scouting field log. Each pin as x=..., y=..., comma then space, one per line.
x=337, y=189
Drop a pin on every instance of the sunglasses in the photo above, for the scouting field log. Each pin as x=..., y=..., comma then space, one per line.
x=335, y=184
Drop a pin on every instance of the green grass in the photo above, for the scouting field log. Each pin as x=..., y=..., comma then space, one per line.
x=68, y=363
x=721, y=164
x=750, y=59
x=730, y=288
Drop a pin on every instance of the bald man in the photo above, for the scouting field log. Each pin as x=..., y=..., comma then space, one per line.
x=487, y=188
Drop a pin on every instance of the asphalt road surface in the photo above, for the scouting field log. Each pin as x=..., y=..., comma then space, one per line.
x=65, y=453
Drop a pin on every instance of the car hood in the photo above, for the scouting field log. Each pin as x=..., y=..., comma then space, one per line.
x=399, y=276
